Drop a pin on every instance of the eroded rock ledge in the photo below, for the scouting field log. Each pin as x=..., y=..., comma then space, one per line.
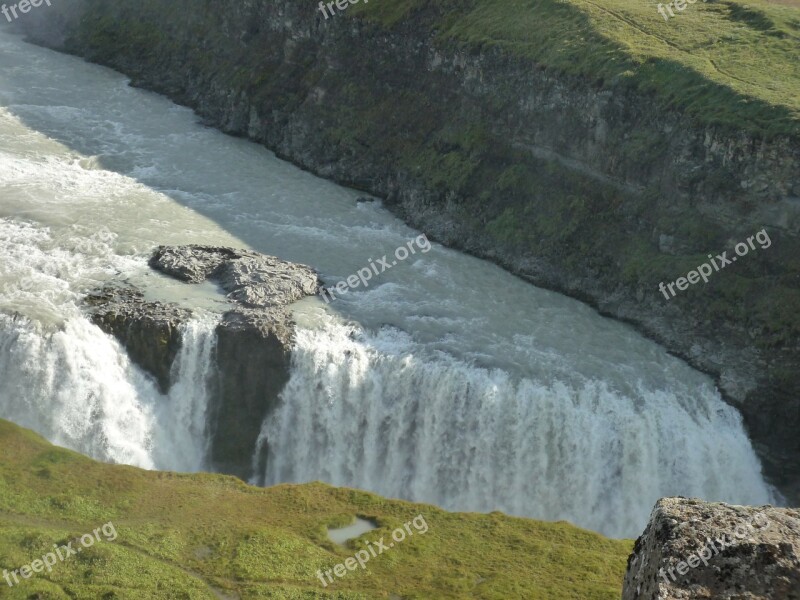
x=693, y=549
x=148, y=330
x=254, y=337
x=249, y=278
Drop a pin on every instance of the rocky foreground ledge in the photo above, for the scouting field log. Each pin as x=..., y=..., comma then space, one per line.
x=254, y=337
x=693, y=549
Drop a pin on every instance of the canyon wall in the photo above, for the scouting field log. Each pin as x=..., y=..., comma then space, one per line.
x=591, y=187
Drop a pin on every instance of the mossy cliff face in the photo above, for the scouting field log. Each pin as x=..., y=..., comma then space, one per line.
x=598, y=188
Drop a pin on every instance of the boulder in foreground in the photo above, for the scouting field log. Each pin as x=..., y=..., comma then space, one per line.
x=693, y=549
x=254, y=342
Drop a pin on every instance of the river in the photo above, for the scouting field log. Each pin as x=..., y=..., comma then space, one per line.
x=446, y=381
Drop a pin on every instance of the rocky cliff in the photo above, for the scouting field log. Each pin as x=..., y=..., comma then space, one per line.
x=598, y=184
x=694, y=549
x=254, y=338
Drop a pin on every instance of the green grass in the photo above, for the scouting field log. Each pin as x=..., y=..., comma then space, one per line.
x=211, y=536
x=729, y=63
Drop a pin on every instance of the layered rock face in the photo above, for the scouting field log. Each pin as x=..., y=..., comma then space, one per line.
x=254, y=337
x=592, y=189
x=693, y=549
x=149, y=330
x=250, y=279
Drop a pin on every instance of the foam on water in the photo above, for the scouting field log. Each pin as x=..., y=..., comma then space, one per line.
x=77, y=387
x=447, y=380
x=376, y=412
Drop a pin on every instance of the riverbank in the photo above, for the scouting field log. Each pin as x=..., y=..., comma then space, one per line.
x=596, y=186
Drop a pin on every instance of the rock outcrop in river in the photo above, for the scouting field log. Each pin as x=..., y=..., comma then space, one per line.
x=254, y=337
x=693, y=549
x=148, y=330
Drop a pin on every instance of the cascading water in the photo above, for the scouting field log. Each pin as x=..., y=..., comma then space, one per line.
x=185, y=412
x=460, y=385
x=77, y=387
x=61, y=376
x=374, y=412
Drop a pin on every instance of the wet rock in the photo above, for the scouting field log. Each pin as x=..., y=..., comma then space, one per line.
x=254, y=339
x=148, y=330
x=249, y=278
x=693, y=549
x=253, y=365
x=192, y=264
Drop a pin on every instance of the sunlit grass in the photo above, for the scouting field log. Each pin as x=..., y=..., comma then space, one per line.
x=199, y=536
x=726, y=62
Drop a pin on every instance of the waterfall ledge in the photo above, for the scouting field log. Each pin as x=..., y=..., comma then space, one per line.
x=254, y=337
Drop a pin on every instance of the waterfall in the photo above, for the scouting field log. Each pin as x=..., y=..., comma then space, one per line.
x=186, y=410
x=367, y=412
x=499, y=396
x=76, y=387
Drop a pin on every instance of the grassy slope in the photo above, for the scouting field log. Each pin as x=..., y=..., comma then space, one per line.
x=207, y=536
x=726, y=62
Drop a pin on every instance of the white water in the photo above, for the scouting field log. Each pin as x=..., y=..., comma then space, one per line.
x=374, y=412
x=447, y=381
x=76, y=386
x=186, y=409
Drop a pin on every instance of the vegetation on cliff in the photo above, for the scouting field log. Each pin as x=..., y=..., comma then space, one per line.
x=703, y=60
x=729, y=65
x=212, y=536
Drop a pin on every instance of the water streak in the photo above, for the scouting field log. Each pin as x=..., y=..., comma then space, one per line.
x=77, y=387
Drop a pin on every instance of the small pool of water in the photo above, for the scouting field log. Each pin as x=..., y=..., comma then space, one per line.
x=351, y=532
